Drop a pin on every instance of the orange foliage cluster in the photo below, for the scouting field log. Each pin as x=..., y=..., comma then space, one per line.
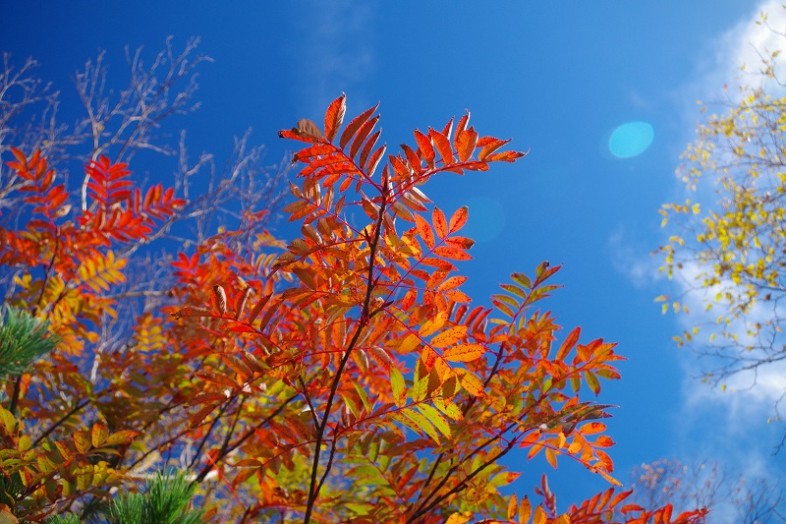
x=343, y=376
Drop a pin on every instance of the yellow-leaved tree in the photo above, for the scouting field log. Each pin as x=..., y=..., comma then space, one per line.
x=728, y=236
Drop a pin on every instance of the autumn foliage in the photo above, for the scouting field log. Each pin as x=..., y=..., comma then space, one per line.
x=342, y=376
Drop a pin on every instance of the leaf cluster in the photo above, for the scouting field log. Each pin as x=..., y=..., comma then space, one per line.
x=344, y=375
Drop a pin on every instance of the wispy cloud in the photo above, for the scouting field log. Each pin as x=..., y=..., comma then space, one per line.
x=335, y=52
x=630, y=258
x=735, y=59
x=742, y=49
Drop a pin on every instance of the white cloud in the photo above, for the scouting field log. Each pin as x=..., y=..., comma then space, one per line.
x=743, y=47
x=730, y=424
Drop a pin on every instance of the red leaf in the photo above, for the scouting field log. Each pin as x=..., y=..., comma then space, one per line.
x=440, y=223
x=412, y=157
x=462, y=125
x=367, y=148
x=354, y=125
x=448, y=129
x=452, y=253
x=458, y=219
x=489, y=144
x=465, y=143
x=568, y=344
x=443, y=146
x=374, y=160
x=334, y=116
x=505, y=156
x=424, y=230
x=425, y=148
x=361, y=135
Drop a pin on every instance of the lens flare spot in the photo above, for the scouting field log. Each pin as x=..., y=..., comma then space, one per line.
x=631, y=139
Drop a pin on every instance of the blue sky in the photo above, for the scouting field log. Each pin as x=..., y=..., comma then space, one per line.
x=558, y=78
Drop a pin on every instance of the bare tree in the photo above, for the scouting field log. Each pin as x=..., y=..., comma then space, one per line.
x=133, y=122
x=729, y=497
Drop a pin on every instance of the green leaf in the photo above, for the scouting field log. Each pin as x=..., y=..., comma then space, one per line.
x=398, y=386
x=422, y=423
x=521, y=278
x=592, y=381
x=435, y=417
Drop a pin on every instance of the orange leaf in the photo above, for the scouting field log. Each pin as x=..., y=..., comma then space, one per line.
x=539, y=517
x=568, y=344
x=464, y=352
x=591, y=428
x=470, y=382
x=373, y=162
x=513, y=506
x=452, y=283
x=525, y=510
x=440, y=224
x=452, y=253
x=449, y=336
x=458, y=219
x=424, y=230
x=604, y=441
x=460, y=242
x=458, y=296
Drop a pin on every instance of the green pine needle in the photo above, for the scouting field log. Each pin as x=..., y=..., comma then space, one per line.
x=166, y=501
x=23, y=339
x=68, y=518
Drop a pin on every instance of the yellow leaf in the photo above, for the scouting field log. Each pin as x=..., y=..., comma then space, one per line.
x=551, y=457
x=98, y=434
x=513, y=506
x=408, y=343
x=82, y=441
x=459, y=517
x=7, y=420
